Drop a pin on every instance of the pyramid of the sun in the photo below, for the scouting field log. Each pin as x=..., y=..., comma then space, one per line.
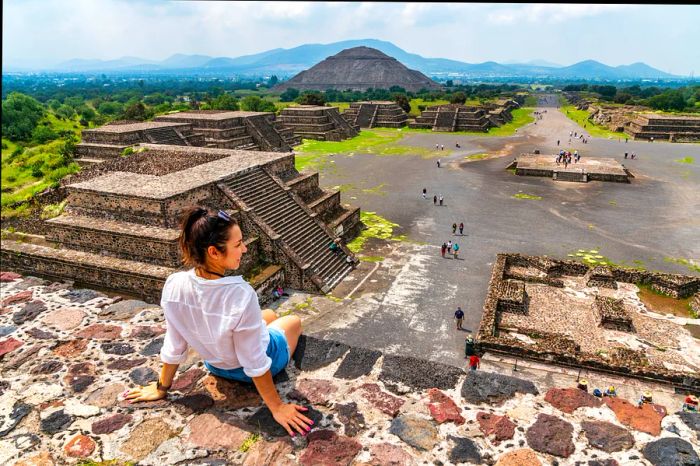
x=359, y=68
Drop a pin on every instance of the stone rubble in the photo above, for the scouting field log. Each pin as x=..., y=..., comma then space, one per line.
x=64, y=370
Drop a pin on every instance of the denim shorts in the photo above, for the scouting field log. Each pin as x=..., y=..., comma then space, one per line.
x=277, y=350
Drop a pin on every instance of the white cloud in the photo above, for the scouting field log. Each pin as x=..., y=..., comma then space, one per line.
x=549, y=13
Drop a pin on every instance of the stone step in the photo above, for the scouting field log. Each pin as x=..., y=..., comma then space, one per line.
x=130, y=277
x=85, y=162
x=126, y=240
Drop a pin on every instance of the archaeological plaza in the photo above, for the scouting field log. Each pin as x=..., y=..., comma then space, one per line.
x=575, y=264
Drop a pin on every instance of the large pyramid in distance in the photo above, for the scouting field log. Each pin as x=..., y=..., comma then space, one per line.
x=359, y=68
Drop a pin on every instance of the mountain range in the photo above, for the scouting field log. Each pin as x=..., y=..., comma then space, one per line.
x=287, y=62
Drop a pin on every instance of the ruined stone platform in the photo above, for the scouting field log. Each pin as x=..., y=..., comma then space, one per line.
x=121, y=228
x=574, y=320
x=68, y=354
x=585, y=170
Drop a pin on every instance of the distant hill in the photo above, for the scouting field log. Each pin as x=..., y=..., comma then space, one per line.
x=288, y=62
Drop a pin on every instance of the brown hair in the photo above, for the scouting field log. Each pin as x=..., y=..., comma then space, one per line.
x=200, y=228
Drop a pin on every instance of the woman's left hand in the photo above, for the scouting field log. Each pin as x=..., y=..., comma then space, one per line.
x=149, y=392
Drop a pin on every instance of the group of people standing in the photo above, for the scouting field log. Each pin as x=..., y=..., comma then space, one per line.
x=565, y=157
x=450, y=248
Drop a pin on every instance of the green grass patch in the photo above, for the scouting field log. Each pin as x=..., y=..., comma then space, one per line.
x=613, y=202
x=476, y=157
x=249, y=442
x=581, y=118
x=527, y=196
x=415, y=111
x=376, y=190
x=687, y=160
x=53, y=210
x=521, y=117
x=689, y=264
x=371, y=258
x=377, y=227
x=31, y=172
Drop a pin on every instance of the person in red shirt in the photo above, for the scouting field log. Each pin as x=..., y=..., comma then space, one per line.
x=474, y=362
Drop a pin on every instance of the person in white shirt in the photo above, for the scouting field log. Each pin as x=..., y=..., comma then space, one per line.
x=220, y=317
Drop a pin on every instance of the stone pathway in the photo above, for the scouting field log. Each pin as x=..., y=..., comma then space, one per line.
x=68, y=354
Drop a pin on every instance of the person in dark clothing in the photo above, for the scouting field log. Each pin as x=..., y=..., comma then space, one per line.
x=461, y=228
x=459, y=316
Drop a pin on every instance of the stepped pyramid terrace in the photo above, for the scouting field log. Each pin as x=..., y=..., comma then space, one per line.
x=375, y=114
x=237, y=130
x=665, y=128
x=359, y=69
x=453, y=117
x=317, y=122
x=210, y=128
x=119, y=229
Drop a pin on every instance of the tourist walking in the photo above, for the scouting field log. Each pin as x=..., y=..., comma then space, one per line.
x=474, y=362
x=454, y=228
x=237, y=341
x=443, y=248
x=442, y=147
x=425, y=191
x=455, y=248
x=459, y=316
x=435, y=199
x=449, y=247
x=437, y=146
x=558, y=142
x=438, y=163
x=625, y=154
x=441, y=199
x=461, y=228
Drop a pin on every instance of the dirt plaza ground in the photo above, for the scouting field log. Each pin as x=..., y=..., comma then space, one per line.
x=406, y=305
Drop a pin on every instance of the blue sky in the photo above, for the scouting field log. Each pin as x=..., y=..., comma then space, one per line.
x=41, y=33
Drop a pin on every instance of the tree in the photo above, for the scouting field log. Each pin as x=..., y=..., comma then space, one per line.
x=449, y=83
x=86, y=113
x=135, y=111
x=311, y=98
x=253, y=103
x=273, y=81
x=403, y=102
x=20, y=115
x=65, y=111
x=289, y=95
x=43, y=134
x=224, y=102
x=458, y=98
x=110, y=108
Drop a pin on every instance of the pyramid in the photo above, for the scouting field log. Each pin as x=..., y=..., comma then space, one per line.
x=359, y=68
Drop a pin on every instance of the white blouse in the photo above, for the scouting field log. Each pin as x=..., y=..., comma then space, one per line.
x=220, y=319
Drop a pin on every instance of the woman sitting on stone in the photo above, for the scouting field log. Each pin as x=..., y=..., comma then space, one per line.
x=220, y=317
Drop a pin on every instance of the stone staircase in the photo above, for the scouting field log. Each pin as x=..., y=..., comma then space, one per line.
x=165, y=136
x=444, y=121
x=365, y=116
x=302, y=232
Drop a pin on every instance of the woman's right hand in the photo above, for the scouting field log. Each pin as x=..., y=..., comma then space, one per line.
x=288, y=416
x=149, y=392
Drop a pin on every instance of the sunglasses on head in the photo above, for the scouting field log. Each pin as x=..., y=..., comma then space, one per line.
x=223, y=216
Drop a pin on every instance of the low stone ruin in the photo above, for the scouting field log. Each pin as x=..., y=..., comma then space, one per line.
x=612, y=314
x=315, y=122
x=566, y=320
x=585, y=170
x=601, y=276
x=375, y=114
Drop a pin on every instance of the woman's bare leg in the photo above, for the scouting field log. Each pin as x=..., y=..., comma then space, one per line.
x=269, y=316
x=292, y=329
